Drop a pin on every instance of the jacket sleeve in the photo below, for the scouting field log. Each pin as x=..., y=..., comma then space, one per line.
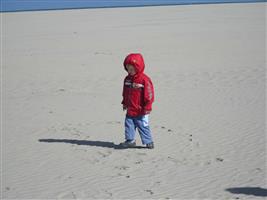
x=148, y=94
x=123, y=94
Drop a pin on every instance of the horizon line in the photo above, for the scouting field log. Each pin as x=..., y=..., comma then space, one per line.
x=132, y=6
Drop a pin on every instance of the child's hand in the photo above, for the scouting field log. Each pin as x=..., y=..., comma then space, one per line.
x=147, y=112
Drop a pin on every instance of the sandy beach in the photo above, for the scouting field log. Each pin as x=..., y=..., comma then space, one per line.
x=62, y=120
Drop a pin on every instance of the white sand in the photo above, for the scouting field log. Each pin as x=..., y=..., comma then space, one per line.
x=62, y=81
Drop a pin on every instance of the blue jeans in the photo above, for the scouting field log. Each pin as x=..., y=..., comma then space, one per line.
x=141, y=123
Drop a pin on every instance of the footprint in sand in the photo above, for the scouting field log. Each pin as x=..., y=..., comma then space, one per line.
x=113, y=122
x=207, y=162
x=109, y=193
x=139, y=162
x=61, y=90
x=258, y=169
x=126, y=176
x=149, y=191
x=67, y=195
x=65, y=177
x=167, y=129
x=106, y=154
x=219, y=159
x=76, y=134
x=141, y=154
x=122, y=167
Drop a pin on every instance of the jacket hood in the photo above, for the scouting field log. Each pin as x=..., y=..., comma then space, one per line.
x=135, y=59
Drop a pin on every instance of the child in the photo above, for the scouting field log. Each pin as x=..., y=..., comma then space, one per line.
x=138, y=96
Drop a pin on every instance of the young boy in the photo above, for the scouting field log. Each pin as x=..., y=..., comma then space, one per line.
x=138, y=96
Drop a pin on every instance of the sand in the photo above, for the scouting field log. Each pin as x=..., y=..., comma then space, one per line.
x=62, y=119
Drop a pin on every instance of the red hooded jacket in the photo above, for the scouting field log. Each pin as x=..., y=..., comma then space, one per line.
x=138, y=90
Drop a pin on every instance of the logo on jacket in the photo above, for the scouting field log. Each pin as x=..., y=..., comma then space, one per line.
x=134, y=85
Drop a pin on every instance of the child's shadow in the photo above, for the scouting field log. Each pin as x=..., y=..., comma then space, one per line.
x=88, y=143
x=256, y=191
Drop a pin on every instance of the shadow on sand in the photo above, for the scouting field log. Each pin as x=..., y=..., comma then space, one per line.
x=88, y=143
x=256, y=191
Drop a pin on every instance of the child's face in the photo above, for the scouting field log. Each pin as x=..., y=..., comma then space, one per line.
x=131, y=69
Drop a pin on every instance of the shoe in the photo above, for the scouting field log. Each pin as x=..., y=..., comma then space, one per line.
x=128, y=144
x=150, y=145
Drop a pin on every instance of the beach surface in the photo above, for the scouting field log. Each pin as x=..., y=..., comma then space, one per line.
x=62, y=120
